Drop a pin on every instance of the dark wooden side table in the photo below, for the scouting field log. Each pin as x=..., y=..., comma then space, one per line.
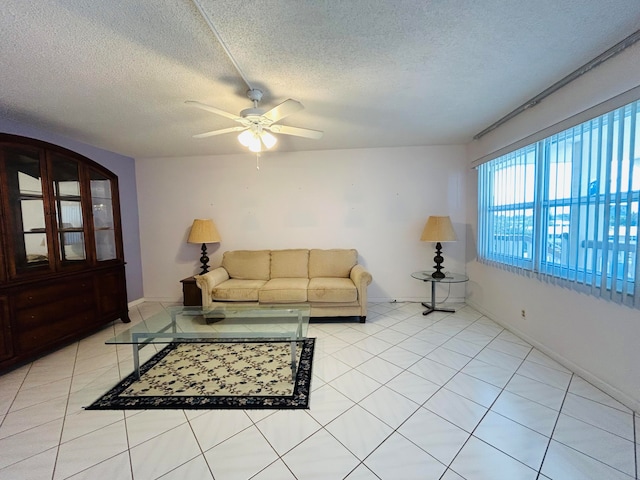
x=191, y=292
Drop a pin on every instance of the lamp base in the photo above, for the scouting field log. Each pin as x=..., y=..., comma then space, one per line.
x=438, y=259
x=204, y=259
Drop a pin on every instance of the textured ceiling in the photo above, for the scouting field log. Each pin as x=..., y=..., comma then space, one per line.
x=370, y=73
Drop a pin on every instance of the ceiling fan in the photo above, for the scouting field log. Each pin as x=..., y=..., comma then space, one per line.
x=256, y=124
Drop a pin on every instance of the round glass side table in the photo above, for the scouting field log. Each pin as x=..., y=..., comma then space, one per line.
x=449, y=278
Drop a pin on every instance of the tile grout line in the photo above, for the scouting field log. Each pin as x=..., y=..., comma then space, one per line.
x=199, y=447
x=66, y=409
x=635, y=442
x=13, y=401
x=126, y=424
x=566, y=393
x=502, y=390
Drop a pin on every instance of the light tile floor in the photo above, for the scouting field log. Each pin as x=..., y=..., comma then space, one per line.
x=403, y=396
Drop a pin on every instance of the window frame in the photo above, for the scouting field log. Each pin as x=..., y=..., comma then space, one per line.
x=563, y=187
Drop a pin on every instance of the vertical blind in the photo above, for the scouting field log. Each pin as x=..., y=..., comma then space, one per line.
x=565, y=208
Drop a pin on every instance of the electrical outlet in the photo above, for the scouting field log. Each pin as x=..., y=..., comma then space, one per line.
x=523, y=314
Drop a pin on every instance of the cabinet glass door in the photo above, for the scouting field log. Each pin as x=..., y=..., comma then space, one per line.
x=68, y=209
x=103, y=225
x=26, y=201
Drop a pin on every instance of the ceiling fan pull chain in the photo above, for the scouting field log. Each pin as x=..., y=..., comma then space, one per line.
x=257, y=161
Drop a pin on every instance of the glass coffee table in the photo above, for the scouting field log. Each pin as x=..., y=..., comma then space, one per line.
x=242, y=323
x=448, y=278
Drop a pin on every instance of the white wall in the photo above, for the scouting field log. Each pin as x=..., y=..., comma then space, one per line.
x=374, y=200
x=595, y=338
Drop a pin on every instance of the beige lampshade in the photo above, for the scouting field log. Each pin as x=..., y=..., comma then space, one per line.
x=203, y=231
x=438, y=229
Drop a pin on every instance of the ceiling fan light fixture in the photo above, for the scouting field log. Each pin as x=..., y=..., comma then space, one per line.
x=268, y=139
x=254, y=144
x=253, y=140
x=245, y=138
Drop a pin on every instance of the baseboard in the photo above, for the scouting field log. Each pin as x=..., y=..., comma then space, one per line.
x=413, y=300
x=610, y=390
x=136, y=302
x=171, y=300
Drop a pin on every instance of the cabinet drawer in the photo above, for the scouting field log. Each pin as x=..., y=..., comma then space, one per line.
x=33, y=317
x=65, y=288
x=6, y=336
x=40, y=337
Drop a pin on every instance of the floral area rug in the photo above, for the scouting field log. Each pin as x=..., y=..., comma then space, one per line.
x=217, y=374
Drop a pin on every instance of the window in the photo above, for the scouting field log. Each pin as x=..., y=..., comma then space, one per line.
x=566, y=207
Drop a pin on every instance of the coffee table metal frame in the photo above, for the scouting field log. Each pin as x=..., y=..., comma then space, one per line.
x=280, y=323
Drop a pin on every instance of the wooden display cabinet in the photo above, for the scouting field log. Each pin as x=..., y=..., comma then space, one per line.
x=61, y=256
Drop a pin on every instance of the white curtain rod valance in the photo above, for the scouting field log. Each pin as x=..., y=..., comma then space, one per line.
x=595, y=111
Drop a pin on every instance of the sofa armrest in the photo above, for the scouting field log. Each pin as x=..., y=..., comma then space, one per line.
x=361, y=278
x=208, y=282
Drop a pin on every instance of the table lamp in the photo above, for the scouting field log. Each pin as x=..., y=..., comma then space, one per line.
x=438, y=229
x=203, y=231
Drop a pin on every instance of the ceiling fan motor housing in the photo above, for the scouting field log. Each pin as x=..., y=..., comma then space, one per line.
x=252, y=114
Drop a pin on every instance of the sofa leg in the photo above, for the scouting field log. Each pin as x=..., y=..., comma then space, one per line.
x=363, y=318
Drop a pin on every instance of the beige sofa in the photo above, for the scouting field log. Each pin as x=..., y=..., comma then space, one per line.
x=330, y=281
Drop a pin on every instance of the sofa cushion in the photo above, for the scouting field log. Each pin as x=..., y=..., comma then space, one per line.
x=247, y=264
x=284, y=290
x=290, y=263
x=332, y=263
x=236, y=290
x=331, y=289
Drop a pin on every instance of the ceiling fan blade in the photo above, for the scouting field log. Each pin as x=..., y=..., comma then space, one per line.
x=219, y=132
x=298, y=132
x=284, y=109
x=211, y=109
